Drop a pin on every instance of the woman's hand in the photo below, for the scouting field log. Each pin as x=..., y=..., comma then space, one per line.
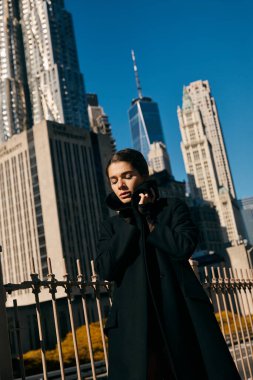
x=147, y=198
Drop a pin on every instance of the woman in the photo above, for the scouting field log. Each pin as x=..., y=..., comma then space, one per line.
x=161, y=324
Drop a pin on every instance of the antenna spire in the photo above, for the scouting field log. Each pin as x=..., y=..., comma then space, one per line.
x=137, y=79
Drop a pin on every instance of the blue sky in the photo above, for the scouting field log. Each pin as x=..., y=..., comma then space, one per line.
x=175, y=42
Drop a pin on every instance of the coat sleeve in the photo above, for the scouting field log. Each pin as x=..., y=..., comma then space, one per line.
x=114, y=249
x=175, y=233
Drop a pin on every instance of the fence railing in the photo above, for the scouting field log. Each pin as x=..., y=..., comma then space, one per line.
x=231, y=293
x=229, y=290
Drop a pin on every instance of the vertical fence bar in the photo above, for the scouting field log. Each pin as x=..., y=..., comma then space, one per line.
x=208, y=283
x=36, y=291
x=215, y=286
x=234, y=278
x=17, y=330
x=229, y=283
x=68, y=290
x=97, y=294
x=5, y=350
x=242, y=297
x=224, y=292
x=53, y=290
x=251, y=281
x=85, y=312
x=248, y=286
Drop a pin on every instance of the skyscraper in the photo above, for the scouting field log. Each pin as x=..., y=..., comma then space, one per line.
x=38, y=52
x=103, y=145
x=205, y=157
x=202, y=98
x=158, y=158
x=49, y=202
x=144, y=119
x=246, y=207
x=206, y=218
x=99, y=121
x=14, y=96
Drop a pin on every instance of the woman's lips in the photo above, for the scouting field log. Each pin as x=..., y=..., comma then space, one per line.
x=126, y=194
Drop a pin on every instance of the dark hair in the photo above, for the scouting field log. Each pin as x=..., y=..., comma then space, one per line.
x=134, y=157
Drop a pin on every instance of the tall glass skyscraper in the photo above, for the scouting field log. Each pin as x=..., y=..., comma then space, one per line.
x=144, y=119
x=145, y=124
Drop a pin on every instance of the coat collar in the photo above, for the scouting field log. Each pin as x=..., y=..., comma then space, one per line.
x=126, y=209
x=115, y=203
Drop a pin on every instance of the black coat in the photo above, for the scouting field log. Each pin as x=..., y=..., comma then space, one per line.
x=194, y=344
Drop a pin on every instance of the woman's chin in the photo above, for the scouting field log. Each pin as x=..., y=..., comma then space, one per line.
x=125, y=200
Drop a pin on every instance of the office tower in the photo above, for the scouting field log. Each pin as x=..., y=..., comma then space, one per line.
x=202, y=98
x=158, y=158
x=103, y=145
x=169, y=187
x=206, y=172
x=14, y=97
x=246, y=208
x=49, y=202
x=98, y=120
x=210, y=242
x=144, y=119
x=49, y=191
x=160, y=171
x=55, y=83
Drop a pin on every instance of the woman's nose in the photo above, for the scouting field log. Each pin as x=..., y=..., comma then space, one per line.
x=121, y=183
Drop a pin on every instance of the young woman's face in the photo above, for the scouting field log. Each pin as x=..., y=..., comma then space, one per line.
x=124, y=179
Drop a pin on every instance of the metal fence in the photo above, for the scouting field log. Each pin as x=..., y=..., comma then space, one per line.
x=229, y=290
x=231, y=293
